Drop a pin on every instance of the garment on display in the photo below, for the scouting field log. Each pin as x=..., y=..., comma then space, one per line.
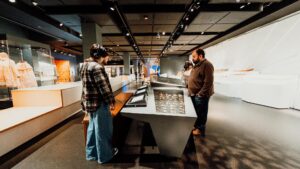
x=8, y=72
x=27, y=77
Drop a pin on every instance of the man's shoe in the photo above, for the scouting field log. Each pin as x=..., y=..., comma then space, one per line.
x=196, y=132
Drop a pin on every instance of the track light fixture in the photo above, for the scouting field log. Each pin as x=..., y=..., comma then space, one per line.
x=34, y=2
x=61, y=24
x=12, y=1
x=112, y=8
x=146, y=17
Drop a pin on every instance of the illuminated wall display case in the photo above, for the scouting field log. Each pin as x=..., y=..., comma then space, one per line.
x=32, y=61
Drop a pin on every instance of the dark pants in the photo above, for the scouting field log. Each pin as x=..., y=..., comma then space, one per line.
x=201, y=107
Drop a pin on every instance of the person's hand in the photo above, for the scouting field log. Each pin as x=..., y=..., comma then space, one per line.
x=112, y=106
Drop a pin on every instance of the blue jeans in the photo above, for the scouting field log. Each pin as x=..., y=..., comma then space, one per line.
x=99, y=135
x=201, y=108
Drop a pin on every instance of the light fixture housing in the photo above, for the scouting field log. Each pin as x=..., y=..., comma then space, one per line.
x=34, y=2
x=61, y=24
x=112, y=8
x=12, y=1
x=127, y=34
x=146, y=17
x=163, y=33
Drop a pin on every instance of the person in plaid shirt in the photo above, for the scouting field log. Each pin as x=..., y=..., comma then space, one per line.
x=97, y=100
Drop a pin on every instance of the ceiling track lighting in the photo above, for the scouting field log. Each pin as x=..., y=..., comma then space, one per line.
x=163, y=33
x=12, y=1
x=61, y=24
x=146, y=17
x=243, y=6
x=34, y=2
x=127, y=34
x=112, y=8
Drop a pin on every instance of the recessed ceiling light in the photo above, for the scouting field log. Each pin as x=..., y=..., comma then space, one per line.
x=127, y=34
x=192, y=10
x=112, y=8
x=146, y=17
x=61, y=24
x=34, y=2
x=80, y=34
x=186, y=18
x=12, y=1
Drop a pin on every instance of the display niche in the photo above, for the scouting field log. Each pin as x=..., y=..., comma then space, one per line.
x=24, y=64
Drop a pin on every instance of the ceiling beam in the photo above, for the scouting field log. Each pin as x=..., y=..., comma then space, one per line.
x=147, y=8
x=33, y=11
x=167, y=34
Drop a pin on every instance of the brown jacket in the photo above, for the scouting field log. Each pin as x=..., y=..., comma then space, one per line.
x=201, y=80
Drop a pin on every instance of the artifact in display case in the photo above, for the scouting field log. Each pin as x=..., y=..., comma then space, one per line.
x=169, y=101
x=166, y=82
x=137, y=101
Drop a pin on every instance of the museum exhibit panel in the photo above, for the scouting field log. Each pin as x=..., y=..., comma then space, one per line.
x=251, y=120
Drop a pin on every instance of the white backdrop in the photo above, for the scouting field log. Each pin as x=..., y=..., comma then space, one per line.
x=272, y=49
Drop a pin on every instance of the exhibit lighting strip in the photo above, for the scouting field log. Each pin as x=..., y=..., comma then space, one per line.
x=120, y=20
x=191, y=13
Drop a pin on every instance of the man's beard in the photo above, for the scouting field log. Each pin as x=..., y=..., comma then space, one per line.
x=196, y=62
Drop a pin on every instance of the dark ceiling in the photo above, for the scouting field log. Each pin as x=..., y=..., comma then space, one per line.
x=173, y=27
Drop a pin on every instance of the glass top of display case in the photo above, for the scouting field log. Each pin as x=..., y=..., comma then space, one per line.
x=169, y=101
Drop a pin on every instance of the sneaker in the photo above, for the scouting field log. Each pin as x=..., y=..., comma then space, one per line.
x=115, y=151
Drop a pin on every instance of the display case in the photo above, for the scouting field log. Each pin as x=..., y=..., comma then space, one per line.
x=166, y=82
x=169, y=101
x=26, y=64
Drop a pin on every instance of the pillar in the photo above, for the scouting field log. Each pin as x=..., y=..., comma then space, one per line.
x=91, y=33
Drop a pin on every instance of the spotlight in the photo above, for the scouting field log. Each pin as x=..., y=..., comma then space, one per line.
x=192, y=10
x=55, y=50
x=158, y=36
x=80, y=35
x=243, y=6
x=127, y=34
x=146, y=17
x=202, y=33
x=61, y=24
x=238, y=1
x=118, y=45
x=12, y=1
x=163, y=33
x=248, y=3
x=112, y=8
x=34, y=2
x=186, y=18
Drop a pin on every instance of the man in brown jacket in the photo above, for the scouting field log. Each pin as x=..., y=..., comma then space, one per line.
x=200, y=88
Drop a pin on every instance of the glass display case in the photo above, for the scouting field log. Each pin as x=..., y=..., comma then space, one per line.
x=24, y=63
x=169, y=101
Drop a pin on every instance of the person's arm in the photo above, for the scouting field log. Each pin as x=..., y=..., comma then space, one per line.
x=208, y=80
x=104, y=87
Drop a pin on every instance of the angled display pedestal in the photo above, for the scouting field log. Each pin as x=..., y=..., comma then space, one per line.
x=171, y=129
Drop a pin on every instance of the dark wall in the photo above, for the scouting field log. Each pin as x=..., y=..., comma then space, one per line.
x=8, y=28
x=172, y=64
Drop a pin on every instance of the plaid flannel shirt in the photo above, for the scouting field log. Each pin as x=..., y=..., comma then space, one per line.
x=95, y=86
